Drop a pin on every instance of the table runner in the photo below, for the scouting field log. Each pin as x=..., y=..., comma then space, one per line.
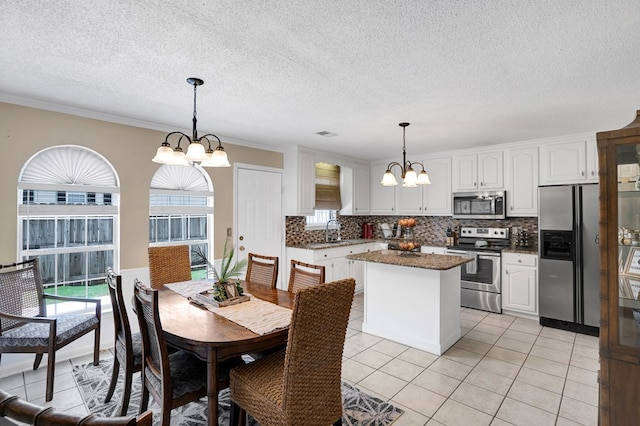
x=256, y=315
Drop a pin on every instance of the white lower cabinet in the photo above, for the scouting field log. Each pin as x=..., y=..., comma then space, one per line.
x=336, y=265
x=433, y=250
x=520, y=283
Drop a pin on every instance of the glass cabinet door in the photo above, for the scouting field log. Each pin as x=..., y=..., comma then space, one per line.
x=628, y=207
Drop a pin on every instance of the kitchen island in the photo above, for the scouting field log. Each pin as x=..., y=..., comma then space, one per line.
x=412, y=298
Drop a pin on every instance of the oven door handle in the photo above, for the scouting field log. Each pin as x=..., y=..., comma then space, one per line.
x=456, y=252
x=488, y=256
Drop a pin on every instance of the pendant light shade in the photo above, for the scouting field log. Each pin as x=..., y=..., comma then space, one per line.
x=410, y=179
x=196, y=152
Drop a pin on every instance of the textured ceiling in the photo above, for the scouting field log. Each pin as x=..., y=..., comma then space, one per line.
x=464, y=73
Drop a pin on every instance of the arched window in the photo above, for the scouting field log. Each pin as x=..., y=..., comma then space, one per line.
x=68, y=218
x=181, y=211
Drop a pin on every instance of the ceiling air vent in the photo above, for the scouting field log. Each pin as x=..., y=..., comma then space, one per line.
x=326, y=134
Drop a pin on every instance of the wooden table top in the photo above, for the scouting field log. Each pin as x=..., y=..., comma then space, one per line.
x=190, y=325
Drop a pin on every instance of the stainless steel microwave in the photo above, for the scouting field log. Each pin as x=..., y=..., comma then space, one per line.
x=479, y=205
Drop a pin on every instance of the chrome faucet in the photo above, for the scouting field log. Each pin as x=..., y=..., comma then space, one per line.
x=333, y=232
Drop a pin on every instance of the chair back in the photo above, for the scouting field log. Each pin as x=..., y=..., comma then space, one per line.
x=154, y=347
x=120, y=316
x=304, y=275
x=12, y=407
x=169, y=264
x=21, y=292
x=313, y=358
x=262, y=269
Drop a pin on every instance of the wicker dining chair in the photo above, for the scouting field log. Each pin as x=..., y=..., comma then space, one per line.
x=302, y=384
x=173, y=379
x=169, y=264
x=262, y=269
x=25, y=326
x=14, y=408
x=128, y=346
x=304, y=275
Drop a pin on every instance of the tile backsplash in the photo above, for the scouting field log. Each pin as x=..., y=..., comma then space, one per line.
x=430, y=230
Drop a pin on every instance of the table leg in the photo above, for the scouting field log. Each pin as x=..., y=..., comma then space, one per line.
x=212, y=386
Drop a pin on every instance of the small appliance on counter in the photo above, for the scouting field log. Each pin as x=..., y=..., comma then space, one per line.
x=367, y=230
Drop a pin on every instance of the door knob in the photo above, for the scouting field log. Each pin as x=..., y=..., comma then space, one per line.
x=241, y=248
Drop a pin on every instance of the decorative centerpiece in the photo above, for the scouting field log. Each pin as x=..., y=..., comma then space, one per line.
x=407, y=227
x=227, y=287
x=407, y=246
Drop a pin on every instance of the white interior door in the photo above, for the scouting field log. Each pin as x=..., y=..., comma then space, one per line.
x=259, y=220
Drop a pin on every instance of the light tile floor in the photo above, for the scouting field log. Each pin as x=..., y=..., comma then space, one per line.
x=505, y=370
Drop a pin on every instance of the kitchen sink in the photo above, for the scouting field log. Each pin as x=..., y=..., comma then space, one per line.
x=329, y=244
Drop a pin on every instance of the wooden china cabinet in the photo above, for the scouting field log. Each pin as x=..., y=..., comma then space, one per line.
x=619, y=376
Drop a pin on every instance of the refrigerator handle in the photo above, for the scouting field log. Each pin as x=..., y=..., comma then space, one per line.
x=577, y=263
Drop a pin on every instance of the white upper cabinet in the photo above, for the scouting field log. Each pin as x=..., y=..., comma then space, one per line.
x=521, y=170
x=437, y=196
x=306, y=184
x=573, y=161
x=361, y=193
x=299, y=183
x=383, y=198
x=481, y=171
x=354, y=189
x=433, y=199
x=409, y=199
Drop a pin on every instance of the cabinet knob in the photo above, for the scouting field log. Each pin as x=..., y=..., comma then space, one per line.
x=241, y=248
x=474, y=184
x=593, y=173
x=582, y=173
x=519, y=260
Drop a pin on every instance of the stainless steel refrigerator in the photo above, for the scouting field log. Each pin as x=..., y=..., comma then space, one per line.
x=569, y=275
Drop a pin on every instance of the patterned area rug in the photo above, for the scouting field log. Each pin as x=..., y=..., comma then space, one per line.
x=359, y=409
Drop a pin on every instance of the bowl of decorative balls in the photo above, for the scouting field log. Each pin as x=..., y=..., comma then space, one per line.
x=407, y=223
x=407, y=246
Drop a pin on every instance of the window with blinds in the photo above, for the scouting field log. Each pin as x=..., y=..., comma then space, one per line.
x=68, y=219
x=327, y=187
x=181, y=211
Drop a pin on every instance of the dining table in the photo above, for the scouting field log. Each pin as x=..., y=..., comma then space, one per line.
x=213, y=338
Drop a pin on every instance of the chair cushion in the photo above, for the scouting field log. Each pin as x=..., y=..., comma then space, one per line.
x=188, y=374
x=37, y=334
x=121, y=349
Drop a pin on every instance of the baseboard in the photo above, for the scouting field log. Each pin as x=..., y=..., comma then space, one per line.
x=570, y=326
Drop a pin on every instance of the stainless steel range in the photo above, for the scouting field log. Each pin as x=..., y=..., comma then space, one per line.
x=481, y=286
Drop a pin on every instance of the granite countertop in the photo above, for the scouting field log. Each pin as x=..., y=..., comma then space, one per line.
x=521, y=250
x=439, y=262
x=341, y=243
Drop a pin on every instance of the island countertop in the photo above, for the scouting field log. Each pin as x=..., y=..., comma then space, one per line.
x=438, y=262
